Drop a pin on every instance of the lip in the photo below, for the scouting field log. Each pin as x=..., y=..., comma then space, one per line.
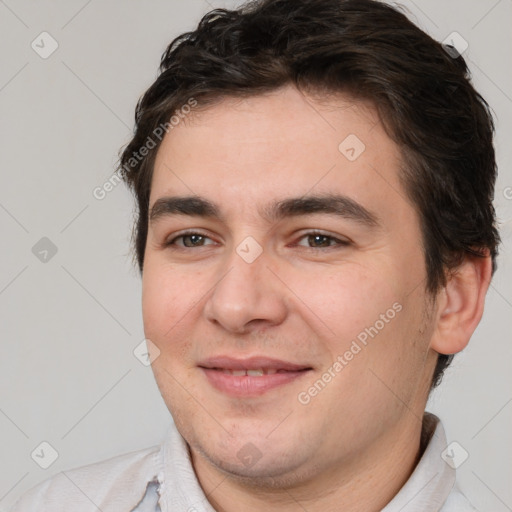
x=249, y=386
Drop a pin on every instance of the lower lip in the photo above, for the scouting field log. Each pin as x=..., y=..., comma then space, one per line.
x=246, y=385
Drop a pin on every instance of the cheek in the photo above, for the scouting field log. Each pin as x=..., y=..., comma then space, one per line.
x=373, y=326
x=347, y=299
x=168, y=299
x=167, y=296
x=370, y=319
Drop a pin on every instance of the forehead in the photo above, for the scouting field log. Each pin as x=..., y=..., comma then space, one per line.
x=282, y=144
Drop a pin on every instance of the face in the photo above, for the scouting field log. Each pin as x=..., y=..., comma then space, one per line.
x=282, y=240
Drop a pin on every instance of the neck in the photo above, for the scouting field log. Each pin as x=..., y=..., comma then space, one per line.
x=367, y=482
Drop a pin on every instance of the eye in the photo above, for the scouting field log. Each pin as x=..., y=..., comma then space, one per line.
x=189, y=240
x=314, y=240
x=320, y=240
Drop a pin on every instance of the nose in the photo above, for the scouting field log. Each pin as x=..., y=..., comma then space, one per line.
x=248, y=295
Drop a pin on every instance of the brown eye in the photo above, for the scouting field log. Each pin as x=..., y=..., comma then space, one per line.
x=192, y=240
x=321, y=241
x=189, y=240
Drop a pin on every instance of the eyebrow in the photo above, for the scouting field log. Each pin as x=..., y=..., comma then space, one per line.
x=339, y=205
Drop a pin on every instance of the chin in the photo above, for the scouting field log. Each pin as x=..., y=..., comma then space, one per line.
x=255, y=460
x=265, y=474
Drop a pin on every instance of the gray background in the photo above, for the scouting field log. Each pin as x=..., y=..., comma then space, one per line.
x=68, y=328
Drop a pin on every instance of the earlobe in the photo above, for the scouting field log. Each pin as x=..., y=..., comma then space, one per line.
x=461, y=305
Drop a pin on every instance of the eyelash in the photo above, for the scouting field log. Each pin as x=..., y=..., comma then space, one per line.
x=340, y=243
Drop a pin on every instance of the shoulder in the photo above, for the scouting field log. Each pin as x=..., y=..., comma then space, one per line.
x=108, y=485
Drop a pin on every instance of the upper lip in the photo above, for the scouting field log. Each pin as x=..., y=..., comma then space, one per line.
x=251, y=363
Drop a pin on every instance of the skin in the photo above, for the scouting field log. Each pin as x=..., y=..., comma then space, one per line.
x=303, y=300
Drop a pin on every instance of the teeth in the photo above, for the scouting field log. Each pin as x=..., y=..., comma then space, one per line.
x=236, y=373
x=255, y=373
x=252, y=373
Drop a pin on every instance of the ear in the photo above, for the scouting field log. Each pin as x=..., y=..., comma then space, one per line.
x=460, y=305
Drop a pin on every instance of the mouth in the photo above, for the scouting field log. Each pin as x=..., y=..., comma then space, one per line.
x=251, y=376
x=259, y=372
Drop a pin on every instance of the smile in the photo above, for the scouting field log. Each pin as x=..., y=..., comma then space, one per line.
x=250, y=383
x=251, y=373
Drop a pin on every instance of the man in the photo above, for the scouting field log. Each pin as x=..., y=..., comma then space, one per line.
x=316, y=236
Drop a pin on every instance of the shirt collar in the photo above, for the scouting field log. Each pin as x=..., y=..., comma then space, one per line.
x=432, y=480
x=179, y=486
x=426, y=490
